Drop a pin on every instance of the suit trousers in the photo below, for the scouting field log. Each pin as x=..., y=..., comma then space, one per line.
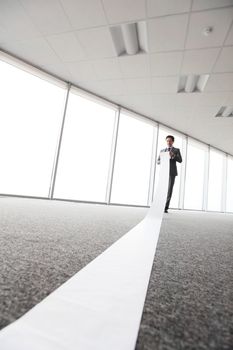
x=170, y=189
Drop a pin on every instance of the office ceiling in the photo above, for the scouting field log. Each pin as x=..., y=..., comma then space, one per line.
x=72, y=40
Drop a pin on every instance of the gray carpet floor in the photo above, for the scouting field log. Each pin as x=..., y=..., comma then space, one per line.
x=189, y=303
x=189, y=300
x=44, y=243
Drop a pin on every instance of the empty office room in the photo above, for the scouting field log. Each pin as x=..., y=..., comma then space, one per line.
x=116, y=174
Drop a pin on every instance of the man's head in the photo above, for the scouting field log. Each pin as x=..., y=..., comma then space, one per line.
x=170, y=140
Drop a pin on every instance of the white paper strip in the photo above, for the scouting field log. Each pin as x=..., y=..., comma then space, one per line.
x=101, y=306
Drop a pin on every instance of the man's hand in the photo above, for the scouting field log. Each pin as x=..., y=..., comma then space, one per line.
x=172, y=155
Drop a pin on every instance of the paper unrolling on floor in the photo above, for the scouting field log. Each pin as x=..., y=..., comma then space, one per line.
x=100, y=307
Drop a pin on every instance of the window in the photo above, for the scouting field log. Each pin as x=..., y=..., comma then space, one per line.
x=133, y=161
x=215, y=180
x=31, y=112
x=195, y=174
x=163, y=132
x=85, y=151
x=229, y=205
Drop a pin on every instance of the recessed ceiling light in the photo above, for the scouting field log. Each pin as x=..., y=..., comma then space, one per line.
x=129, y=38
x=192, y=83
x=225, y=111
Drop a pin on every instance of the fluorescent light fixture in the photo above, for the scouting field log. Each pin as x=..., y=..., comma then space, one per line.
x=129, y=38
x=202, y=81
x=192, y=83
x=225, y=111
x=228, y=111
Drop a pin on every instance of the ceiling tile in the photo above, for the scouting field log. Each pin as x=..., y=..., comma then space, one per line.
x=167, y=63
x=115, y=98
x=220, y=82
x=199, y=61
x=229, y=40
x=229, y=99
x=107, y=68
x=167, y=33
x=184, y=111
x=137, y=86
x=96, y=42
x=183, y=99
x=199, y=5
x=105, y=87
x=47, y=15
x=35, y=51
x=15, y=23
x=167, y=7
x=84, y=13
x=213, y=98
x=164, y=114
x=206, y=111
x=124, y=10
x=136, y=66
x=67, y=47
x=219, y=19
x=164, y=84
x=163, y=99
x=58, y=70
x=182, y=117
x=140, y=103
x=81, y=71
x=225, y=60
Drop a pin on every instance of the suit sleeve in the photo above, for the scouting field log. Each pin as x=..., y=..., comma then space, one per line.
x=178, y=157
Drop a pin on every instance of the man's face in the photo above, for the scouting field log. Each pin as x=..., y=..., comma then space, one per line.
x=169, y=142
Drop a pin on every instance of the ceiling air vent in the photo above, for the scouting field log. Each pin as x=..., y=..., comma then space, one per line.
x=129, y=38
x=192, y=83
x=225, y=111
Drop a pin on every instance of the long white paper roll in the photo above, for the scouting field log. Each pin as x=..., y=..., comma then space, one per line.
x=100, y=307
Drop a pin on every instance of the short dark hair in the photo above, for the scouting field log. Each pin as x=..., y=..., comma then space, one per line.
x=171, y=137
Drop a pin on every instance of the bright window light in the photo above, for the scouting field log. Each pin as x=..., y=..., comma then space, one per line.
x=133, y=161
x=85, y=152
x=195, y=173
x=31, y=112
x=215, y=180
x=229, y=206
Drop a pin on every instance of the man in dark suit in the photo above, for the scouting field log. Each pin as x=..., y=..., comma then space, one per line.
x=175, y=156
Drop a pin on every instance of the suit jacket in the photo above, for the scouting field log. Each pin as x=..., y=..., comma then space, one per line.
x=177, y=158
